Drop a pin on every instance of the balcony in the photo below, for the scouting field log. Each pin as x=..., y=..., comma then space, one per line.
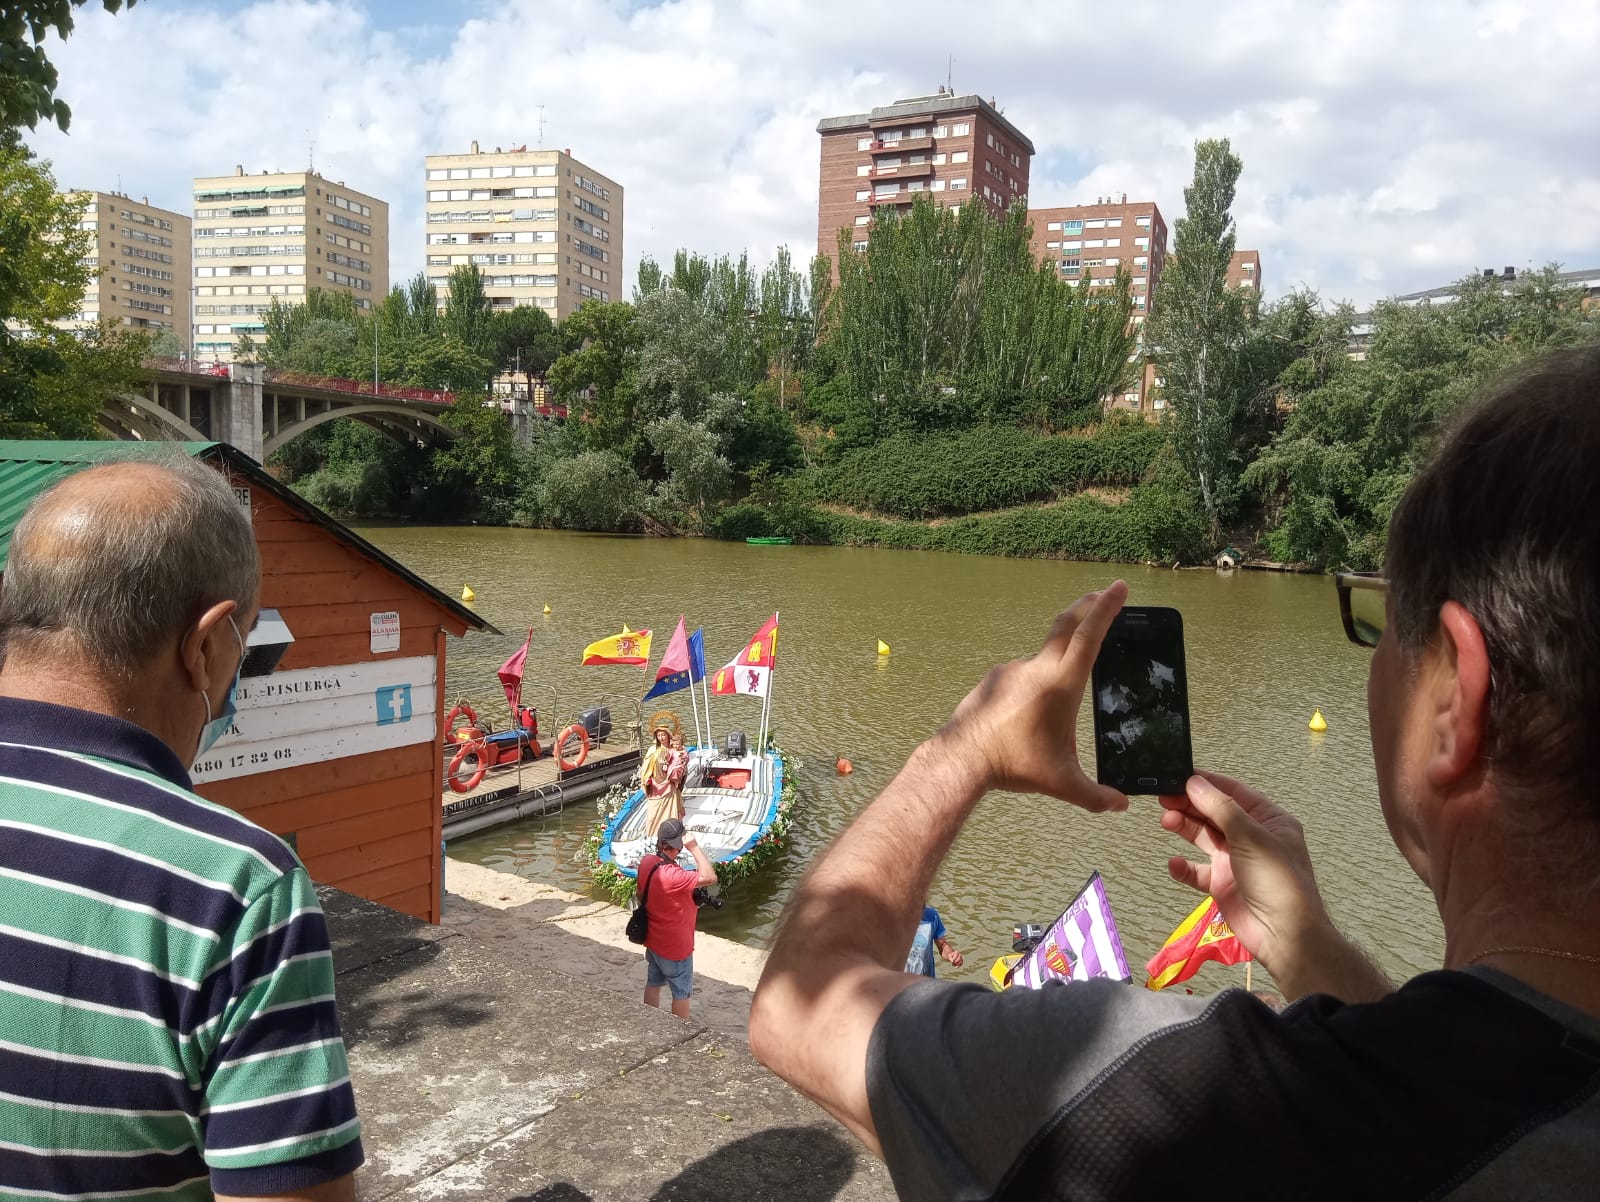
x=893, y=198
x=904, y=171
x=906, y=144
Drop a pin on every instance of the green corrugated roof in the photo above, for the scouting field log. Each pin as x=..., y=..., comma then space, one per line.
x=27, y=468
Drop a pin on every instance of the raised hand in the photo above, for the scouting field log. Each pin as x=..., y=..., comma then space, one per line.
x=1020, y=723
x=1259, y=872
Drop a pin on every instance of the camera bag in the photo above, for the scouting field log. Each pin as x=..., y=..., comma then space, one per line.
x=638, y=928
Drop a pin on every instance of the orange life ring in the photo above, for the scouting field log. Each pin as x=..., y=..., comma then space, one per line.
x=476, y=748
x=561, y=747
x=462, y=707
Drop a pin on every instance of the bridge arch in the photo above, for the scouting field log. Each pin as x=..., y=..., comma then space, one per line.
x=387, y=417
x=129, y=416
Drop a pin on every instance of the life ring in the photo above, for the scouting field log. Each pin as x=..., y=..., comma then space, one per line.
x=463, y=707
x=561, y=747
x=478, y=749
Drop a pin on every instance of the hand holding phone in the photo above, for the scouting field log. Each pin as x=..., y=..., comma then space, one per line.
x=1141, y=703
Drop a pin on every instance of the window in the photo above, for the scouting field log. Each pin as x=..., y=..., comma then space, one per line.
x=920, y=132
x=1071, y=267
x=885, y=189
x=864, y=194
x=1248, y=268
x=1076, y=245
x=1097, y=223
x=937, y=185
x=863, y=218
x=989, y=140
x=1142, y=243
x=1138, y=302
x=1052, y=246
x=864, y=169
x=961, y=129
x=1142, y=222
x=1112, y=262
x=1141, y=260
x=1113, y=242
x=437, y=173
x=863, y=143
x=941, y=131
x=1247, y=283
x=1093, y=243
x=959, y=156
x=1140, y=281
x=1072, y=227
x=957, y=184
x=1113, y=223
x=858, y=246
x=938, y=159
x=1052, y=225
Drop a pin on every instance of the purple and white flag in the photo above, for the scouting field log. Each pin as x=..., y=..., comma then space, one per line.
x=1083, y=943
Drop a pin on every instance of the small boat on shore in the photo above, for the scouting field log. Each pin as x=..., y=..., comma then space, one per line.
x=773, y=540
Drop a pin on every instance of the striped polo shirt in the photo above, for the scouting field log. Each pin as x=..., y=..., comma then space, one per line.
x=167, y=1018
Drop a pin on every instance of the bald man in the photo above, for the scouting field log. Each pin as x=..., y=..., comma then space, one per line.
x=167, y=1020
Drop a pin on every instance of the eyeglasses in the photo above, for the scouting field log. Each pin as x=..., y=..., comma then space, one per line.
x=1362, y=607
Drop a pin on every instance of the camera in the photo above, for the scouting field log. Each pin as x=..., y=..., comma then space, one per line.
x=702, y=897
x=1025, y=936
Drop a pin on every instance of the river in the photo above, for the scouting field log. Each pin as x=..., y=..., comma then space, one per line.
x=1264, y=651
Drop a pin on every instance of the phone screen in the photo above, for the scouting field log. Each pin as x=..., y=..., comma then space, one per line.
x=1141, y=703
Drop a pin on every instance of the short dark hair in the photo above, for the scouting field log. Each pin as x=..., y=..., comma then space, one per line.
x=1505, y=520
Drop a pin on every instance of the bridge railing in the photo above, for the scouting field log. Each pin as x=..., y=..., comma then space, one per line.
x=302, y=379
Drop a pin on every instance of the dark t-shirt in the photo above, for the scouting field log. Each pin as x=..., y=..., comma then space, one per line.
x=1461, y=1085
x=670, y=902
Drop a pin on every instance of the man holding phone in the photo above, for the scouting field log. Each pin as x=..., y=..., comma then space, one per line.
x=1478, y=1081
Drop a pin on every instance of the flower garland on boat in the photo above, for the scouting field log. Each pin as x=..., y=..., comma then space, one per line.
x=620, y=887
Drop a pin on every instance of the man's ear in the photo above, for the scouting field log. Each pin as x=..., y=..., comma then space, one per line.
x=199, y=649
x=1458, y=690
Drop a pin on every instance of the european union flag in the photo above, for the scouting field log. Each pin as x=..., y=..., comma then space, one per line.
x=697, y=655
x=668, y=684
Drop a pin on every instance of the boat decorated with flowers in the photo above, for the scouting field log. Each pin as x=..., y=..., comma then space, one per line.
x=735, y=798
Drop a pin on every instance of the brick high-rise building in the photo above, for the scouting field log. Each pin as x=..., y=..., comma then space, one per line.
x=1244, y=270
x=275, y=235
x=953, y=147
x=1101, y=239
x=543, y=228
x=139, y=266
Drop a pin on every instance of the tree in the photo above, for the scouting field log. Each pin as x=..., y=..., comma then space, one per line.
x=481, y=467
x=525, y=342
x=28, y=79
x=1198, y=328
x=595, y=490
x=596, y=377
x=697, y=476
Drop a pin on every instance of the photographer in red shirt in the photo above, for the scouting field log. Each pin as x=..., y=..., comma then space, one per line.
x=668, y=888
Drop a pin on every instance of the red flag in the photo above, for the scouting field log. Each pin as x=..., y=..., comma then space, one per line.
x=677, y=657
x=1202, y=936
x=749, y=671
x=511, y=673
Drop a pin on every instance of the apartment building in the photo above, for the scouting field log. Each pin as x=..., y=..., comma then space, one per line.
x=139, y=265
x=1244, y=270
x=953, y=147
x=276, y=235
x=544, y=228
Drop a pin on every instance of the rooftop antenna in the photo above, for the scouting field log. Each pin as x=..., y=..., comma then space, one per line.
x=311, y=152
x=949, y=74
x=541, y=127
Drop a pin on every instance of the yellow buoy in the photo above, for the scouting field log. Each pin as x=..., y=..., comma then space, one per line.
x=546, y=609
x=883, y=647
x=1317, y=722
x=467, y=594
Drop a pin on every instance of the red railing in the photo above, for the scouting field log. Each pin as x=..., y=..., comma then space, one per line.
x=434, y=396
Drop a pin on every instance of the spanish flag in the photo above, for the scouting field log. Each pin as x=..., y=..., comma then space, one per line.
x=751, y=670
x=1200, y=937
x=629, y=647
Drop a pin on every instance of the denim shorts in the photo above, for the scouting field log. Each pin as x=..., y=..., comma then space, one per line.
x=677, y=973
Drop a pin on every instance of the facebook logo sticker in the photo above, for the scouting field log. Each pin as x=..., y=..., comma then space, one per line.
x=394, y=704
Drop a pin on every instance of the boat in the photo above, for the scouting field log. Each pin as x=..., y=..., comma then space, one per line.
x=737, y=796
x=736, y=807
x=771, y=540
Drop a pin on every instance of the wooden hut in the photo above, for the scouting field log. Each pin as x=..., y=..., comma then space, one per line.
x=338, y=742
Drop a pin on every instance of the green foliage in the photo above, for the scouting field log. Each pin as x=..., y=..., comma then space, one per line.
x=987, y=467
x=1358, y=430
x=595, y=490
x=697, y=477
x=946, y=320
x=596, y=377
x=482, y=469
x=28, y=78
x=42, y=250
x=526, y=343
x=1079, y=528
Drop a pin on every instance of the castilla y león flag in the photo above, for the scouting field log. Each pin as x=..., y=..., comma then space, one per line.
x=629, y=647
x=1200, y=937
x=750, y=672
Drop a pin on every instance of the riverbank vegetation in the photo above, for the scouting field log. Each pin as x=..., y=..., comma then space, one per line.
x=944, y=392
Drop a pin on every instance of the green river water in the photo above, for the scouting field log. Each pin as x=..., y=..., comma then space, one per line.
x=1264, y=650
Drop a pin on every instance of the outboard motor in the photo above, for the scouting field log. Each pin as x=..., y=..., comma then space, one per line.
x=597, y=722
x=737, y=749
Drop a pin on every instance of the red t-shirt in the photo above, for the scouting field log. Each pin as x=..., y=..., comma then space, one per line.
x=670, y=903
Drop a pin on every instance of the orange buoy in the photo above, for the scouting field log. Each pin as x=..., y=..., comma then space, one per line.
x=560, y=748
x=844, y=766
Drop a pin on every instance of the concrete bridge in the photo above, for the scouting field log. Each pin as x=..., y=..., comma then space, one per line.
x=258, y=410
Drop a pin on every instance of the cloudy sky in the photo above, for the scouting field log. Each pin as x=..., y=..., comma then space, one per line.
x=1387, y=146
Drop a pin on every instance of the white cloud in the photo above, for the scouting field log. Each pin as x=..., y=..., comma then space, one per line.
x=1386, y=147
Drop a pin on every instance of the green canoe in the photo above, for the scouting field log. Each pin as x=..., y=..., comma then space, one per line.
x=772, y=541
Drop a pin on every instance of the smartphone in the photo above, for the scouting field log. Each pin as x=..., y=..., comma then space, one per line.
x=1141, y=703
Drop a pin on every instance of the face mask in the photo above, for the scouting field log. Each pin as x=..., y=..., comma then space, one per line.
x=217, y=725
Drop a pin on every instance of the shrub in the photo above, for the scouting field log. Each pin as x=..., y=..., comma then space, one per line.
x=985, y=468
x=592, y=491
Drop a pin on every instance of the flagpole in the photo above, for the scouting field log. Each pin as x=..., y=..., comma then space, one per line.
x=1247, y=965
x=766, y=702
